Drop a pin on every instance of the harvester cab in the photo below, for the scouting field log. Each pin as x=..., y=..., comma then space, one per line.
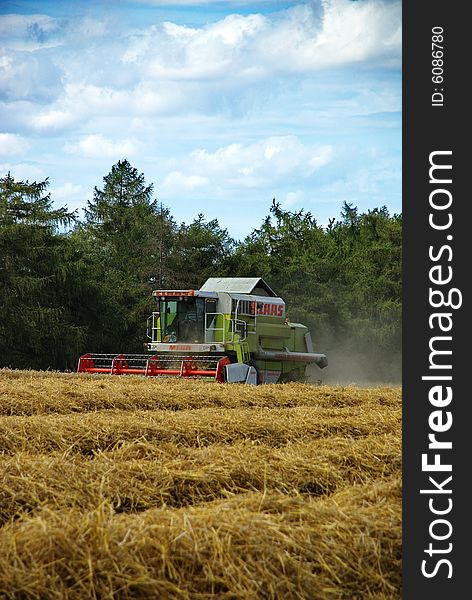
x=232, y=329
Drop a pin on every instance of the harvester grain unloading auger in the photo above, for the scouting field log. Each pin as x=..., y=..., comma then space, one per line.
x=233, y=329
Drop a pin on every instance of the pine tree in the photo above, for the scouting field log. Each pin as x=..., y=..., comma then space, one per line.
x=129, y=236
x=202, y=249
x=37, y=277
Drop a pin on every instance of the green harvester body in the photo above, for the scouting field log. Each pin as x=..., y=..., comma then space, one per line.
x=232, y=329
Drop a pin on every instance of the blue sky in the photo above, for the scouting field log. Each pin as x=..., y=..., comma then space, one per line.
x=223, y=105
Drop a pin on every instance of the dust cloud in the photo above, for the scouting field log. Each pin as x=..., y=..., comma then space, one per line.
x=363, y=367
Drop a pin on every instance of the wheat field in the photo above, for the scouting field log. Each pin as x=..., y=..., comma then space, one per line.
x=126, y=487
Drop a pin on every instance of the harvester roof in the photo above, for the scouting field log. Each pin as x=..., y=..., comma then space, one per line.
x=238, y=285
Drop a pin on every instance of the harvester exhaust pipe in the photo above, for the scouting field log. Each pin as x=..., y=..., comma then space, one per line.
x=287, y=355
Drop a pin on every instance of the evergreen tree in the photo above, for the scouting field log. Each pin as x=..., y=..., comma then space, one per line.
x=202, y=249
x=163, y=273
x=116, y=210
x=129, y=237
x=38, y=279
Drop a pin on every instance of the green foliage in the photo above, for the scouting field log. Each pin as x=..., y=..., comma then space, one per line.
x=39, y=279
x=344, y=282
x=128, y=238
x=201, y=249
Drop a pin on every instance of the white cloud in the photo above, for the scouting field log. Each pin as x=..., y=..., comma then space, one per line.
x=52, y=120
x=354, y=31
x=241, y=108
x=292, y=199
x=23, y=171
x=11, y=143
x=28, y=76
x=169, y=68
x=304, y=38
x=260, y=165
x=176, y=180
x=81, y=104
x=98, y=146
x=29, y=32
x=67, y=190
x=270, y=158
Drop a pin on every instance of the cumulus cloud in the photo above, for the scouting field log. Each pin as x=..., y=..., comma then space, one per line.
x=52, y=120
x=67, y=190
x=12, y=144
x=28, y=76
x=253, y=164
x=79, y=99
x=311, y=35
x=23, y=171
x=28, y=67
x=303, y=38
x=176, y=180
x=294, y=89
x=29, y=32
x=98, y=146
x=262, y=164
x=170, y=68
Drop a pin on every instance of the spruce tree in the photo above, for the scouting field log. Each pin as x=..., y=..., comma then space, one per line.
x=129, y=237
x=37, y=278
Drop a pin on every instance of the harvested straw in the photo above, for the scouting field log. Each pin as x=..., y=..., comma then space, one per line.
x=131, y=488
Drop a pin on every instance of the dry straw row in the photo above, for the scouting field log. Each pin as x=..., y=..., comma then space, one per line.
x=93, y=432
x=141, y=475
x=253, y=546
x=32, y=392
x=134, y=488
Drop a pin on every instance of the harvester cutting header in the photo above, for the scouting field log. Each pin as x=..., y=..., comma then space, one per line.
x=232, y=329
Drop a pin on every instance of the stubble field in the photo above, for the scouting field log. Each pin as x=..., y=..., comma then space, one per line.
x=125, y=487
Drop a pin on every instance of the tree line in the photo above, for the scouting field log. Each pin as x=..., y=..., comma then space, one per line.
x=70, y=286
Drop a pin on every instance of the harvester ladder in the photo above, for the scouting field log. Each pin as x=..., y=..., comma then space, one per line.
x=242, y=352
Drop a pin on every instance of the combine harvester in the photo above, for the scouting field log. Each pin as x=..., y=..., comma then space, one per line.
x=233, y=329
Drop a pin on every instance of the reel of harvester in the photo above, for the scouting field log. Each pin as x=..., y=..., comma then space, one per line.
x=154, y=366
